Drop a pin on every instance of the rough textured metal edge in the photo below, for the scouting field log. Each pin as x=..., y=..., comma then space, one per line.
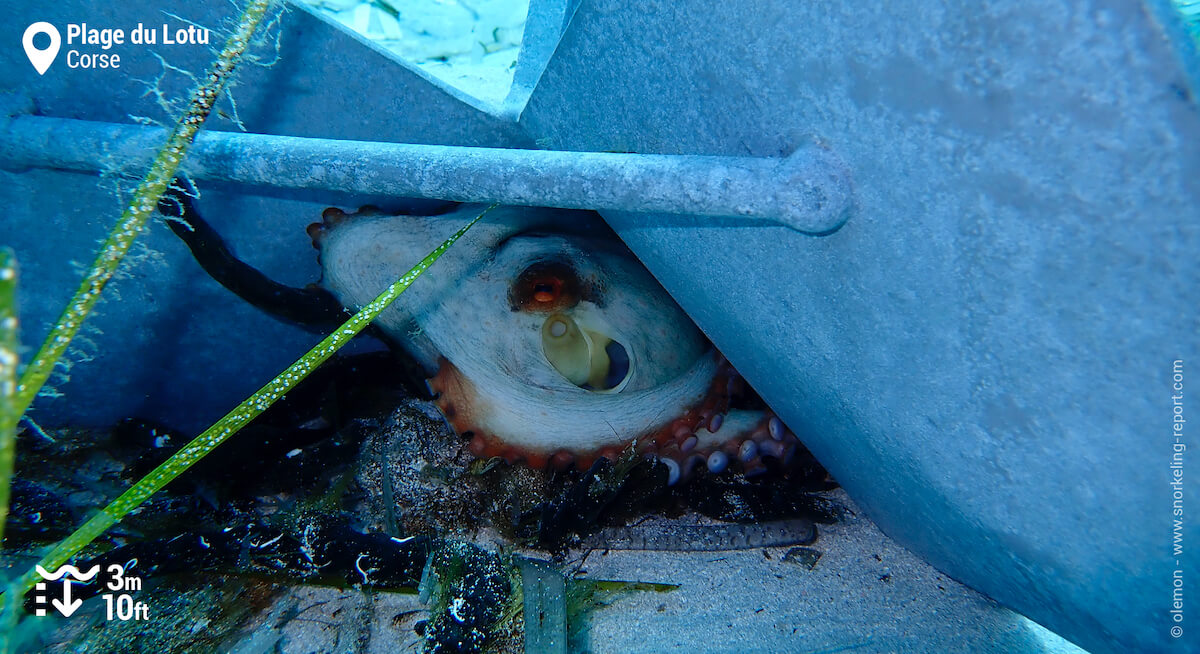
x=544, y=25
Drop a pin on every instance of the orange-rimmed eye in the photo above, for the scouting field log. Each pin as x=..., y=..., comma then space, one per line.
x=544, y=287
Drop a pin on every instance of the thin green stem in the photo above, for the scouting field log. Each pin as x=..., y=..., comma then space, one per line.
x=233, y=421
x=145, y=199
x=8, y=413
x=8, y=377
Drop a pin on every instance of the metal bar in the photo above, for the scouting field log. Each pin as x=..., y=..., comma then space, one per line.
x=809, y=190
x=673, y=537
x=545, y=590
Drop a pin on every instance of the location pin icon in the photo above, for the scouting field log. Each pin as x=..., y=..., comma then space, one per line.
x=41, y=59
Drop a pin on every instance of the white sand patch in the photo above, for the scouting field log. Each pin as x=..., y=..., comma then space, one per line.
x=470, y=44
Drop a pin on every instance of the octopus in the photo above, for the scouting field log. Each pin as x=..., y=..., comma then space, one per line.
x=543, y=339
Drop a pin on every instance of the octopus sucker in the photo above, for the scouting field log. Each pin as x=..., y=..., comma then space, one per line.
x=542, y=339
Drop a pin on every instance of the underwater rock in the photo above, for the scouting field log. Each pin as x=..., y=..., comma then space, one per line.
x=470, y=589
x=36, y=514
x=322, y=550
x=416, y=478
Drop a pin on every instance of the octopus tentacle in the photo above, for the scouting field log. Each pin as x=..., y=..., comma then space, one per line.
x=706, y=432
x=312, y=308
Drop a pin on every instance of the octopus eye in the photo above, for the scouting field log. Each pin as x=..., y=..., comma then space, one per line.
x=547, y=291
x=545, y=287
